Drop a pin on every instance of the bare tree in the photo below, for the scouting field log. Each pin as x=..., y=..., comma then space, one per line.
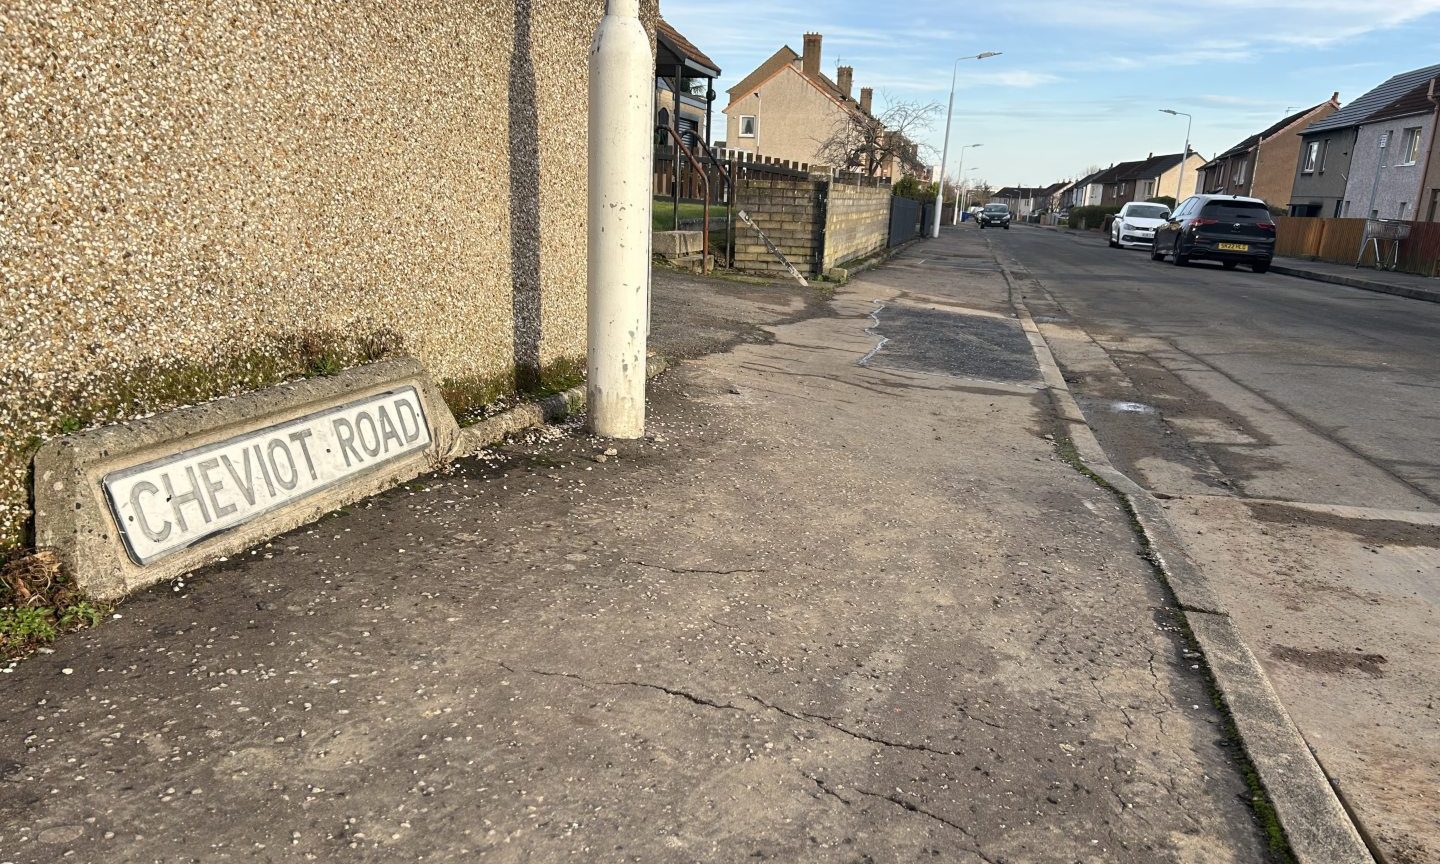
x=865, y=144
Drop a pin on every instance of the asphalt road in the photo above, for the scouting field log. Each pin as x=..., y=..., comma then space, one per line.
x=1292, y=430
x=1329, y=394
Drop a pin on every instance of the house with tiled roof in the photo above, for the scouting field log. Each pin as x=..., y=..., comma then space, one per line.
x=1085, y=192
x=1333, y=165
x=787, y=107
x=1263, y=164
x=1152, y=177
x=1388, y=161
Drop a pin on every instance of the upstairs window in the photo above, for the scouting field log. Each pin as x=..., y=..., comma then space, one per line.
x=747, y=125
x=1410, y=146
x=1240, y=172
x=1312, y=156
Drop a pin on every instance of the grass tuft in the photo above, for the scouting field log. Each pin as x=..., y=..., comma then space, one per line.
x=38, y=603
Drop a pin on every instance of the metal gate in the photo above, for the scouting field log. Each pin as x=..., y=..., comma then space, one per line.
x=904, y=220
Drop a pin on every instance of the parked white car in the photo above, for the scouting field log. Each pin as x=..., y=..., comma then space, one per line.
x=1135, y=224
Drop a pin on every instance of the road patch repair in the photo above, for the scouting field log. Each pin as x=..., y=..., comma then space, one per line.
x=947, y=342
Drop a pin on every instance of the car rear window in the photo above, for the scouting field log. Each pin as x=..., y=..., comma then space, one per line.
x=1236, y=211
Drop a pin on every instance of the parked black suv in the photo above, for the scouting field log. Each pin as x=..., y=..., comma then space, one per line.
x=994, y=214
x=1224, y=228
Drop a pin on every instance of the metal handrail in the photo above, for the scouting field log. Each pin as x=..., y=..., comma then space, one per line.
x=705, y=181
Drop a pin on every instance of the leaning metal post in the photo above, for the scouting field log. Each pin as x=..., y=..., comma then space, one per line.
x=622, y=94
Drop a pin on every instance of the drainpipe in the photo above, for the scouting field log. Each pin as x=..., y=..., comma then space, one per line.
x=1434, y=96
x=622, y=94
x=1379, y=164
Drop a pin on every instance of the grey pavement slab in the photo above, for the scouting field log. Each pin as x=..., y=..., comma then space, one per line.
x=826, y=613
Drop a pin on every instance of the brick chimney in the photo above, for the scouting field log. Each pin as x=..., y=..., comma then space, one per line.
x=844, y=77
x=810, y=65
x=866, y=94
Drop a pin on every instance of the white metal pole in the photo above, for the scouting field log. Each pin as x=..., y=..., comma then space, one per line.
x=944, y=151
x=1184, y=157
x=622, y=93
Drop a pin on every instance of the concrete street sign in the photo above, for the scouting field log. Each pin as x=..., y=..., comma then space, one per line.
x=166, y=505
x=129, y=505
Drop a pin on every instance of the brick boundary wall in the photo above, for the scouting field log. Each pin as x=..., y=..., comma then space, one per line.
x=791, y=213
x=816, y=224
x=857, y=222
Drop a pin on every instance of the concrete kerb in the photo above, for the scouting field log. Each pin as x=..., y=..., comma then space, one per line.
x=1317, y=826
x=551, y=409
x=1356, y=282
x=874, y=259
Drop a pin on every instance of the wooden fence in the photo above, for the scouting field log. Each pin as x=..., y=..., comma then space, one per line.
x=1340, y=241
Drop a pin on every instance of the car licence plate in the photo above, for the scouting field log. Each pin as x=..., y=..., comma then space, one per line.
x=1233, y=247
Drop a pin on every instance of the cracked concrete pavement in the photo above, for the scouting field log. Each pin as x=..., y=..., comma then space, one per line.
x=825, y=612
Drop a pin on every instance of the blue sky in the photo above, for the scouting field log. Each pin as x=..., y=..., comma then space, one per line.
x=1080, y=82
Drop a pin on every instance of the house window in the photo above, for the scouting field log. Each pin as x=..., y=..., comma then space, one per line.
x=1324, y=151
x=1240, y=173
x=1410, y=146
x=747, y=125
x=1149, y=189
x=1346, y=211
x=1312, y=155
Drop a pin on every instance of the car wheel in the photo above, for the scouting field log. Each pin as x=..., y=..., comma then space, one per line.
x=1155, y=253
x=982, y=226
x=1261, y=267
x=1180, y=259
x=1113, y=244
x=1229, y=265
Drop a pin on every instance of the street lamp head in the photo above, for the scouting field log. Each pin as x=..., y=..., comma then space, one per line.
x=985, y=54
x=977, y=145
x=1168, y=111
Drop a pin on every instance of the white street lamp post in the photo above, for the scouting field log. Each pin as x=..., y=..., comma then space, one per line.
x=622, y=90
x=955, y=217
x=965, y=190
x=944, y=151
x=1185, y=155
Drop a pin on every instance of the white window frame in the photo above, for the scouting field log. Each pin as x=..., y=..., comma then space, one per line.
x=1410, y=146
x=753, y=126
x=1311, y=157
x=1240, y=166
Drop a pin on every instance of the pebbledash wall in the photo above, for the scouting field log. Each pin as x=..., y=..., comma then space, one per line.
x=817, y=224
x=202, y=197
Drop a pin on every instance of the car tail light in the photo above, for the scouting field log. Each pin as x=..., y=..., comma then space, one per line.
x=1202, y=222
x=1266, y=226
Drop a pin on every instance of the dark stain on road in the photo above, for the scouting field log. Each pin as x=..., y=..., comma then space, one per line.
x=1331, y=660
x=1377, y=532
x=947, y=343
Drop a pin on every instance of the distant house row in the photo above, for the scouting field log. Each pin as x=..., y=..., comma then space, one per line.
x=1138, y=180
x=1378, y=157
